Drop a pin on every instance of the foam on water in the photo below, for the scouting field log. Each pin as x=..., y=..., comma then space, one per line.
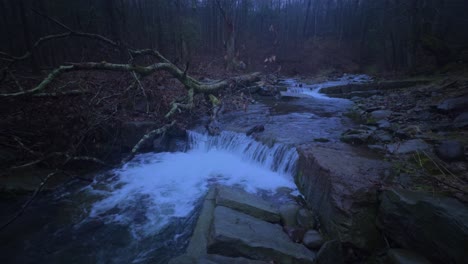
x=313, y=90
x=156, y=187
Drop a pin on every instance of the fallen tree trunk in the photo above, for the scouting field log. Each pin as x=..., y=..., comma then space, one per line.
x=187, y=81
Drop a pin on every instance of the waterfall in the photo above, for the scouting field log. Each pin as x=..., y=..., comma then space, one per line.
x=155, y=189
x=279, y=157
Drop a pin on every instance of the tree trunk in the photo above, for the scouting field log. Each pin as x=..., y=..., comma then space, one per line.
x=27, y=36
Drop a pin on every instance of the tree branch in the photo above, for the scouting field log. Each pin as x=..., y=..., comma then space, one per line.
x=146, y=137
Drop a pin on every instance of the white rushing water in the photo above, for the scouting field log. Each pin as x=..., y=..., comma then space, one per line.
x=155, y=187
x=313, y=90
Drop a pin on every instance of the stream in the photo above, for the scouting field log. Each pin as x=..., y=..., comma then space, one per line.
x=145, y=211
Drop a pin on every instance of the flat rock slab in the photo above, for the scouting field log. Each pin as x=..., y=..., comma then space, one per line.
x=247, y=203
x=238, y=234
x=338, y=182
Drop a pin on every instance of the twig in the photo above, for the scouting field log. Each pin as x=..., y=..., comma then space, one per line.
x=142, y=90
x=28, y=202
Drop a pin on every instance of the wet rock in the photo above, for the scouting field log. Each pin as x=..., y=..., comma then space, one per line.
x=451, y=150
x=288, y=213
x=313, y=239
x=236, y=234
x=306, y=219
x=461, y=121
x=453, y=104
x=267, y=91
x=384, y=124
x=408, y=146
x=431, y=225
x=255, y=129
x=296, y=234
x=382, y=136
x=330, y=253
x=356, y=136
x=380, y=114
x=345, y=196
x=214, y=128
x=403, y=256
x=247, y=203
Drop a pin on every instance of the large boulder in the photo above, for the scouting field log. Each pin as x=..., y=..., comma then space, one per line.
x=339, y=183
x=236, y=234
x=435, y=227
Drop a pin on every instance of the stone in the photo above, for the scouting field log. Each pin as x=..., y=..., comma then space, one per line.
x=453, y=104
x=247, y=203
x=296, y=234
x=306, y=219
x=403, y=256
x=330, y=253
x=218, y=259
x=288, y=214
x=344, y=196
x=461, y=121
x=384, y=124
x=434, y=226
x=214, y=128
x=356, y=136
x=199, y=241
x=451, y=150
x=313, y=239
x=236, y=234
x=380, y=114
x=382, y=136
x=408, y=146
x=255, y=129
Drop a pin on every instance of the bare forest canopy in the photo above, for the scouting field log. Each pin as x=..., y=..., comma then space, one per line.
x=302, y=36
x=73, y=74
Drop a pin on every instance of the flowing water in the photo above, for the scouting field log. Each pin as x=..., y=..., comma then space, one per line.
x=145, y=211
x=313, y=90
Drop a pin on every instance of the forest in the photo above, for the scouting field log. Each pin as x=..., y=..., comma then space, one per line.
x=234, y=131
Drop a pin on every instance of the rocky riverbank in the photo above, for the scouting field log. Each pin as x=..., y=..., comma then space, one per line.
x=420, y=131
